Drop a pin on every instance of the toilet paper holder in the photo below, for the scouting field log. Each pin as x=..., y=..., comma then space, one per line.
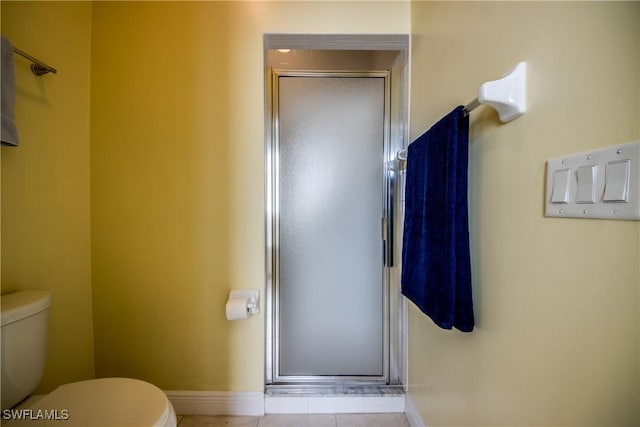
x=252, y=297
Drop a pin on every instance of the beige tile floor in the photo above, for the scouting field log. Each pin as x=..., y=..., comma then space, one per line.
x=311, y=420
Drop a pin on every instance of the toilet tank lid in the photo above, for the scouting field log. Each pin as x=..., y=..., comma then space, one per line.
x=19, y=305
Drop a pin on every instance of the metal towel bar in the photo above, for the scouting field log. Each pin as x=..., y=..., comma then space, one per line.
x=38, y=67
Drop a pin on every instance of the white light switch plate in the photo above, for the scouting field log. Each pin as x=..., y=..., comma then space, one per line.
x=599, y=208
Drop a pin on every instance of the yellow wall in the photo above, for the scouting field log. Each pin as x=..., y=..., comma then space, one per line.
x=45, y=181
x=177, y=161
x=557, y=300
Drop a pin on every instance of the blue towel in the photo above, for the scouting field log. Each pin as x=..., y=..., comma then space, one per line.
x=436, y=266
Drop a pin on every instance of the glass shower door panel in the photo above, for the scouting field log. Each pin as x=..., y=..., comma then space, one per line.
x=330, y=265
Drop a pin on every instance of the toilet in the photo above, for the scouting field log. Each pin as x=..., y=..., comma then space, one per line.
x=114, y=402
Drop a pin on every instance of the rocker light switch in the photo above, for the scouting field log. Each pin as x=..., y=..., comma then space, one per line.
x=616, y=187
x=561, y=186
x=586, y=192
x=602, y=183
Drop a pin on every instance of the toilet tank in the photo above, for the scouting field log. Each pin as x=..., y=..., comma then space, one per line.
x=24, y=343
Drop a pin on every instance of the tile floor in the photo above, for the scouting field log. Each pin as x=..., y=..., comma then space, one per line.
x=306, y=420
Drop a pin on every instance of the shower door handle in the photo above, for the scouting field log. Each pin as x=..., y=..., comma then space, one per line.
x=384, y=228
x=387, y=243
x=388, y=217
x=385, y=224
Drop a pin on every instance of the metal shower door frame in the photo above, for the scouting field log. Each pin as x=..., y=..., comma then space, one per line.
x=272, y=216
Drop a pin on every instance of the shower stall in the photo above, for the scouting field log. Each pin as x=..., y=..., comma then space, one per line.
x=334, y=311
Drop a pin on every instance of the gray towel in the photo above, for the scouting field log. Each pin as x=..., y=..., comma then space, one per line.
x=8, y=131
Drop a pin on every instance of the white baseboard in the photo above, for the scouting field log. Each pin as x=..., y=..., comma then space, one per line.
x=217, y=402
x=412, y=413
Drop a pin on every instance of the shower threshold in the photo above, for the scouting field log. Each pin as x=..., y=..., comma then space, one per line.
x=334, y=398
x=362, y=390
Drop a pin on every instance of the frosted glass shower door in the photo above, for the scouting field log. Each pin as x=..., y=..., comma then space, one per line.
x=329, y=272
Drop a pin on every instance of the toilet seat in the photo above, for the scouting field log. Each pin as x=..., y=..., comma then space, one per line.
x=122, y=402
